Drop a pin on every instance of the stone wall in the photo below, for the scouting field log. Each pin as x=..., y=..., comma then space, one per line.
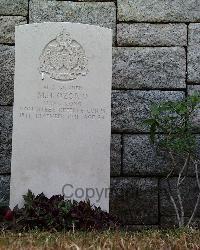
x=156, y=56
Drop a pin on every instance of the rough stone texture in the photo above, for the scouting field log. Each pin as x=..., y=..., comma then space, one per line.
x=196, y=119
x=93, y=0
x=144, y=34
x=194, y=34
x=4, y=190
x=192, y=89
x=194, y=64
x=159, y=11
x=102, y=14
x=135, y=200
x=5, y=138
x=171, y=222
x=194, y=54
x=14, y=7
x=7, y=62
x=189, y=192
x=115, y=155
x=153, y=68
x=7, y=27
x=141, y=158
x=137, y=149
x=131, y=108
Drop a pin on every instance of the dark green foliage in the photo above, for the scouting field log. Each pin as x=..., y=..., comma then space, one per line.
x=85, y=217
x=174, y=121
x=172, y=131
x=55, y=213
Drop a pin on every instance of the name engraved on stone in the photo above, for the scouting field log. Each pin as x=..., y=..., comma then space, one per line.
x=59, y=102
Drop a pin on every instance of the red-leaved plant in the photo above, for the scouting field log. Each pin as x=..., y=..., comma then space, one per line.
x=55, y=213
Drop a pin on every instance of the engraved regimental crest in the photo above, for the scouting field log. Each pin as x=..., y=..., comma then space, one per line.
x=63, y=59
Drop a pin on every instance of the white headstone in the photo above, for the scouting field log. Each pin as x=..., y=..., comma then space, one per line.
x=62, y=112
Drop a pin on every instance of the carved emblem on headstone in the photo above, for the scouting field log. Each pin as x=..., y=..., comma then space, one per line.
x=63, y=58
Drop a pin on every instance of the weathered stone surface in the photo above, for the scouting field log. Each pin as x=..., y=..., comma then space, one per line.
x=194, y=34
x=5, y=138
x=131, y=108
x=189, y=193
x=4, y=190
x=146, y=34
x=194, y=54
x=158, y=11
x=171, y=222
x=196, y=118
x=7, y=27
x=94, y=0
x=141, y=157
x=7, y=61
x=194, y=64
x=102, y=14
x=135, y=200
x=192, y=89
x=14, y=7
x=115, y=155
x=153, y=68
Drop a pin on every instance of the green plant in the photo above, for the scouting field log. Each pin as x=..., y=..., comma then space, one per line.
x=172, y=131
x=55, y=213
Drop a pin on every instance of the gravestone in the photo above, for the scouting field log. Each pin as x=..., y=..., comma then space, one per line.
x=62, y=112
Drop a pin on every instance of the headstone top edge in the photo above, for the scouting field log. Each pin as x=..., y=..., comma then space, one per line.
x=19, y=27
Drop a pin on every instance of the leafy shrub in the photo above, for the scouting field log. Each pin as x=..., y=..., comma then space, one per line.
x=171, y=129
x=40, y=212
x=174, y=120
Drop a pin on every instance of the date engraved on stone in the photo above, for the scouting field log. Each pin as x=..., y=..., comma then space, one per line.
x=63, y=58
